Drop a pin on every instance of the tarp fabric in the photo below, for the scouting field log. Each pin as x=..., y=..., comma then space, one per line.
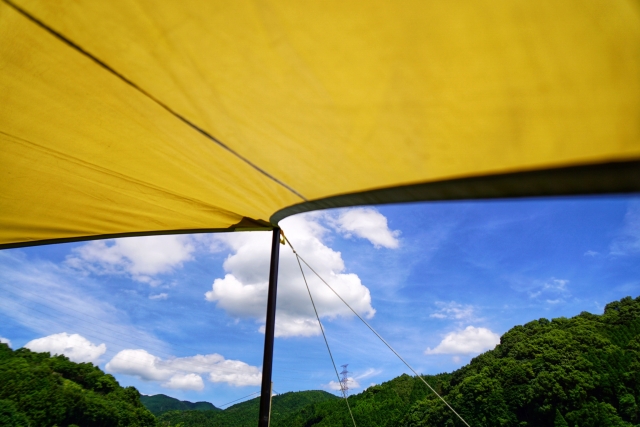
x=130, y=117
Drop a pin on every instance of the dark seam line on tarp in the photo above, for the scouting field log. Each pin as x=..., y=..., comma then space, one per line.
x=147, y=94
x=75, y=161
x=130, y=234
x=595, y=179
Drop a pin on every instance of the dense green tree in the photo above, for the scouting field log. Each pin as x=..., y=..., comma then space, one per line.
x=46, y=391
x=9, y=415
x=583, y=371
x=158, y=404
x=245, y=414
x=559, y=421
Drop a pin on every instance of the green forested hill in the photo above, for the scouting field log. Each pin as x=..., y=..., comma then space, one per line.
x=158, y=404
x=583, y=371
x=245, y=414
x=39, y=390
x=578, y=372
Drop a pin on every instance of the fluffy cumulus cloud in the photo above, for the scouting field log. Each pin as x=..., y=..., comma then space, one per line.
x=6, y=341
x=76, y=347
x=471, y=340
x=452, y=310
x=184, y=372
x=185, y=382
x=242, y=292
x=140, y=257
x=160, y=296
x=366, y=223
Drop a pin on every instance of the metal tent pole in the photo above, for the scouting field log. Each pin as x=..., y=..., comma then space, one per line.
x=267, y=361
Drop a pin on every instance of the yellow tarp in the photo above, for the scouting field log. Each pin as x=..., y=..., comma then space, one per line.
x=140, y=116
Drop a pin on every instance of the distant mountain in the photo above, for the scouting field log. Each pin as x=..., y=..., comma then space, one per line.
x=583, y=371
x=158, y=404
x=245, y=414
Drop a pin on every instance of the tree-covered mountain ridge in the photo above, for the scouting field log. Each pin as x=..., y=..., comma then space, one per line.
x=38, y=390
x=158, y=404
x=577, y=372
x=245, y=414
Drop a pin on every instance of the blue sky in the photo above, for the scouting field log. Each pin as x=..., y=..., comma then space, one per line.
x=182, y=315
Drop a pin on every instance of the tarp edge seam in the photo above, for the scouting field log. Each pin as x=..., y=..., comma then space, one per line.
x=148, y=95
x=247, y=224
x=596, y=179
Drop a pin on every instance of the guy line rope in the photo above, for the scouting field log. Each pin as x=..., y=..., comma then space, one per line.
x=344, y=394
x=299, y=258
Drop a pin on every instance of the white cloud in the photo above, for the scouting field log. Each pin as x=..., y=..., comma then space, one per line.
x=139, y=363
x=76, y=347
x=471, y=340
x=591, y=253
x=452, y=310
x=628, y=241
x=371, y=372
x=140, y=257
x=181, y=372
x=185, y=382
x=551, y=290
x=159, y=296
x=6, y=341
x=236, y=373
x=352, y=383
x=242, y=293
x=366, y=223
x=558, y=285
x=68, y=300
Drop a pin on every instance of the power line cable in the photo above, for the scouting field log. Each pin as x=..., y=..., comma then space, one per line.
x=249, y=395
x=102, y=334
x=137, y=338
x=244, y=397
x=129, y=357
x=299, y=258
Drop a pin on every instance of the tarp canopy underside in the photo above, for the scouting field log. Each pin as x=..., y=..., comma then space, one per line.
x=128, y=117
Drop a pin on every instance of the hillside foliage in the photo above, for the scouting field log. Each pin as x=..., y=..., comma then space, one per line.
x=578, y=372
x=158, y=404
x=245, y=414
x=39, y=390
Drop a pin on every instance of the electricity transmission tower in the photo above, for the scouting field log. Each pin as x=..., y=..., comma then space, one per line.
x=344, y=381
